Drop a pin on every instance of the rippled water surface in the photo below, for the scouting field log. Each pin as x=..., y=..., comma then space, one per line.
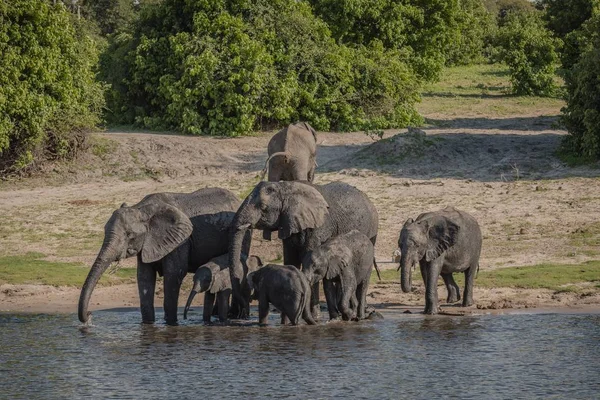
x=486, y=357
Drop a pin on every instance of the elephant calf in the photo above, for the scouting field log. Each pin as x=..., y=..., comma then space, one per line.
x=214, y=280
x=441, y=242
x=345, y=260
x=286, y=288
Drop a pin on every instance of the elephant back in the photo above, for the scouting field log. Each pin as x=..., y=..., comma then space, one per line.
x=202, y=201
x=349, y=209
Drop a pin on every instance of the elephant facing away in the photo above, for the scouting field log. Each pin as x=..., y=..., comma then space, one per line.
x=286, y=288
x=345, y=260
x=292, y=154
x=305, y=216
x=213, y=279
x=441, y=242
x=170, y=234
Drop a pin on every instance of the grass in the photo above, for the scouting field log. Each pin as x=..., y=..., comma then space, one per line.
x=556, y=277
x=482, y=90
x=31, y=268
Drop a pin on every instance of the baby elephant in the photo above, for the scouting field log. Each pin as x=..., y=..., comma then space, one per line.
x=214, y=280
x=345, y=260
x=441, y=242
x=286, y=288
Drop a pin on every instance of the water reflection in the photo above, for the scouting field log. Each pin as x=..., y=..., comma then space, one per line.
x=405, y=356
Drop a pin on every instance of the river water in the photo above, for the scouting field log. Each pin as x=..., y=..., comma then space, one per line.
x=403, y=356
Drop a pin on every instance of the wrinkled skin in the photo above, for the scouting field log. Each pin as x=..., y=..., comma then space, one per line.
x=286, y=288
x=305, y=216
x=214, y=281
x=345, y=260
x=292, y=154
x=170, y=234
x=441, y=242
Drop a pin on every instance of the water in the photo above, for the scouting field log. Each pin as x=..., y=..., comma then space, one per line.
x=403, y=356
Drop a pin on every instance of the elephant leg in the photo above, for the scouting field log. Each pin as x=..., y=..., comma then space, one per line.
x=209, y=301
x=423, y=268
x=291, y=257
x=431, y=297
x=331, y=297
x=223, y=304
x=263, y=309
x=361, y=294
x=146, y=279
x=451, y=287
x=174, y=269
x=469, y=279
x=345, y=309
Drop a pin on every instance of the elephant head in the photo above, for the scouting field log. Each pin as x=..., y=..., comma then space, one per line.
x=214, y=277
x=288, y=207
x=325, y=262
x=425, y=238
x=152, y=231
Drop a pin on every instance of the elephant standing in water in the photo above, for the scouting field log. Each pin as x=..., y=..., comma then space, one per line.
x=305, y=216
x=171, y=234
x=292, y=154
x=442, y=242
x=286, y=288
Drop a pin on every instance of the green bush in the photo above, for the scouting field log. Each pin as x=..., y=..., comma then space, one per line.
x=476, y=27
x=581, y=116
x=529, y=50
x=48, y=92
x=227, y=67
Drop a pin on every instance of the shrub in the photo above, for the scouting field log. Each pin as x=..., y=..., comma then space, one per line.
x=529, y=49
x=227, y=67
x=48, y=92
x=581, y=116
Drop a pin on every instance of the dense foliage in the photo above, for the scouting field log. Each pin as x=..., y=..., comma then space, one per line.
x=48, y=91
x=228, y=67
x=581, y=116
x=529, y=50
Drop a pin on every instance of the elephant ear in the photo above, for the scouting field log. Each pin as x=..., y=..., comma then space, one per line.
x=168, y=227
x=310, y=129
x=338, y=263
x=254, y=263
x=303, y=208
x=442, y=234
x=221, y=281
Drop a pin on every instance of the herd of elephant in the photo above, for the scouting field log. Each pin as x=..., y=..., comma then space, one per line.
x=328, y=234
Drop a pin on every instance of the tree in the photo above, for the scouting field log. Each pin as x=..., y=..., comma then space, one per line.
x=48, y=92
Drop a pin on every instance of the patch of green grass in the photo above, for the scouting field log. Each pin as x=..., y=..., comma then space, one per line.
x=557, y=277
x=31, y=268
x=482, y=91
x=574, y=160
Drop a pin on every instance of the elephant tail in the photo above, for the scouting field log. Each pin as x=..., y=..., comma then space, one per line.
x=376, y=269
x=280, y=154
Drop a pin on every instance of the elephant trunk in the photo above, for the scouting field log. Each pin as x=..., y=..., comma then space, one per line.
x=193, y=293
x=107, y=255
x=405, y=273
x=236, y=270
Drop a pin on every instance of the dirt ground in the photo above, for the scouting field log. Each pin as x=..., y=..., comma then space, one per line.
x=531, y=206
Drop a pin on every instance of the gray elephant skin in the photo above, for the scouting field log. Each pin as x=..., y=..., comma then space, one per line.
x=305, y=216
x=292, y=154
x=286, y=288
x=441, y=242
x=345, y=260
x=171, y=234
x=214, y=281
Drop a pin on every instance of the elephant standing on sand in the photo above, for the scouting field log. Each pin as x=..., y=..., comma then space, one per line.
x=171, y=234
x=442, y=242
x=292, y=154
x=305, y=216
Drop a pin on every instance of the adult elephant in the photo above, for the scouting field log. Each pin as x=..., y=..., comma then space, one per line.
x=305, y=216
x=171, y=234
x=292, y=154
x=441, y=242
